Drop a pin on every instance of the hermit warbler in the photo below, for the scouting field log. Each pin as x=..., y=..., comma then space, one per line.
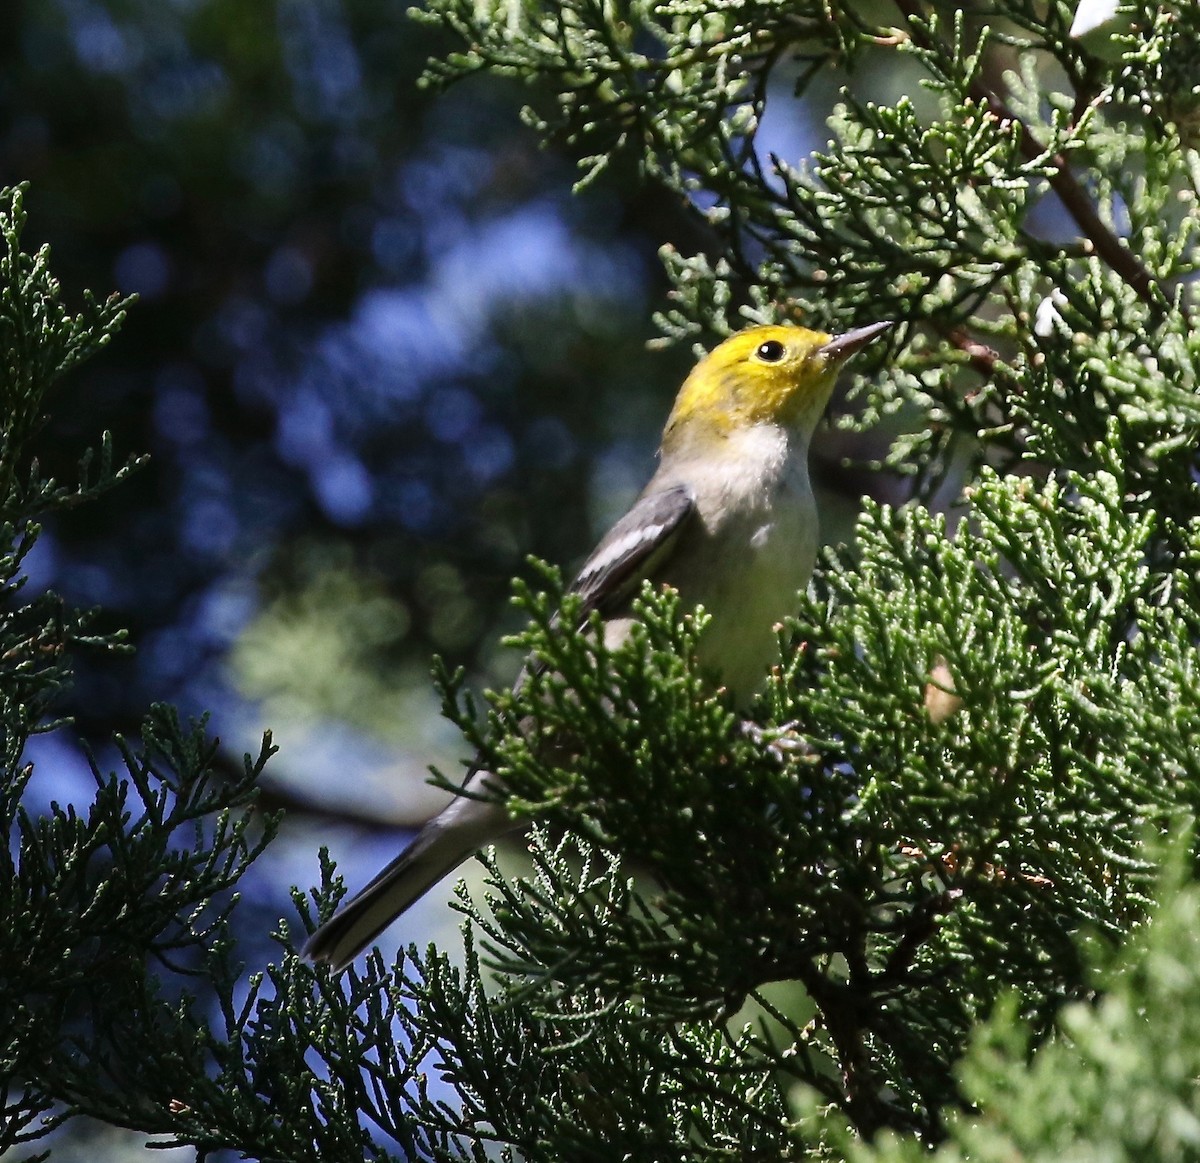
x=728, y=520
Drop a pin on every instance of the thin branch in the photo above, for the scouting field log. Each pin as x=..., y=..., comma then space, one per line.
x=842, y=1010
x=1073, y=196
x=980, y=356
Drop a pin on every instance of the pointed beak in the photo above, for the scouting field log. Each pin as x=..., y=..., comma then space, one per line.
x=842, y=347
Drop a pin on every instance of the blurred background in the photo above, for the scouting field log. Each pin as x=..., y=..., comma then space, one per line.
x=381, y=353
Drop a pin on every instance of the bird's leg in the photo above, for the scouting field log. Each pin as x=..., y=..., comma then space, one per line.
x=782, y=743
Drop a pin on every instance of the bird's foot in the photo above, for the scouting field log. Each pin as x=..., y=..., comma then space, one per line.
x=781, y=743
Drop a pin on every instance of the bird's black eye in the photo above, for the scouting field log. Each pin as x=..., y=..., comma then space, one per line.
x=770, y=352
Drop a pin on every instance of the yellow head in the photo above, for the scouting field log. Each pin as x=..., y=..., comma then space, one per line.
x=764, y=375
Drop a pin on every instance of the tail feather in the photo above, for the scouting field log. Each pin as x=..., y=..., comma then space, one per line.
x=440, y=847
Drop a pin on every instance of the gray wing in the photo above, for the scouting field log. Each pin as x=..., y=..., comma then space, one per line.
x=633, y=548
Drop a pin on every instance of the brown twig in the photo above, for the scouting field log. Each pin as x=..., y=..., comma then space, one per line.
x=982, y=358
x=1073, y=196
x=922, y=926
x=841, y=1010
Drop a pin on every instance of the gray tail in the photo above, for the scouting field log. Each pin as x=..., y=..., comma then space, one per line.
x=441, y=846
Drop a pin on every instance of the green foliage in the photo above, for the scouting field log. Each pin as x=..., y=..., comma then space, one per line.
x=557, y=1065
x=898, y=852
x=89, y=897
x=88, y=894
x=1119, y=1085
x=41, y=341
x=974, y=724
x=121, y=994
x=973, y=727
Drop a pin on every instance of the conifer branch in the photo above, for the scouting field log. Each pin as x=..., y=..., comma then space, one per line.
x=1062, y=180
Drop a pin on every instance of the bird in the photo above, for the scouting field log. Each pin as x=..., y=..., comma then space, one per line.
x=728, y=519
